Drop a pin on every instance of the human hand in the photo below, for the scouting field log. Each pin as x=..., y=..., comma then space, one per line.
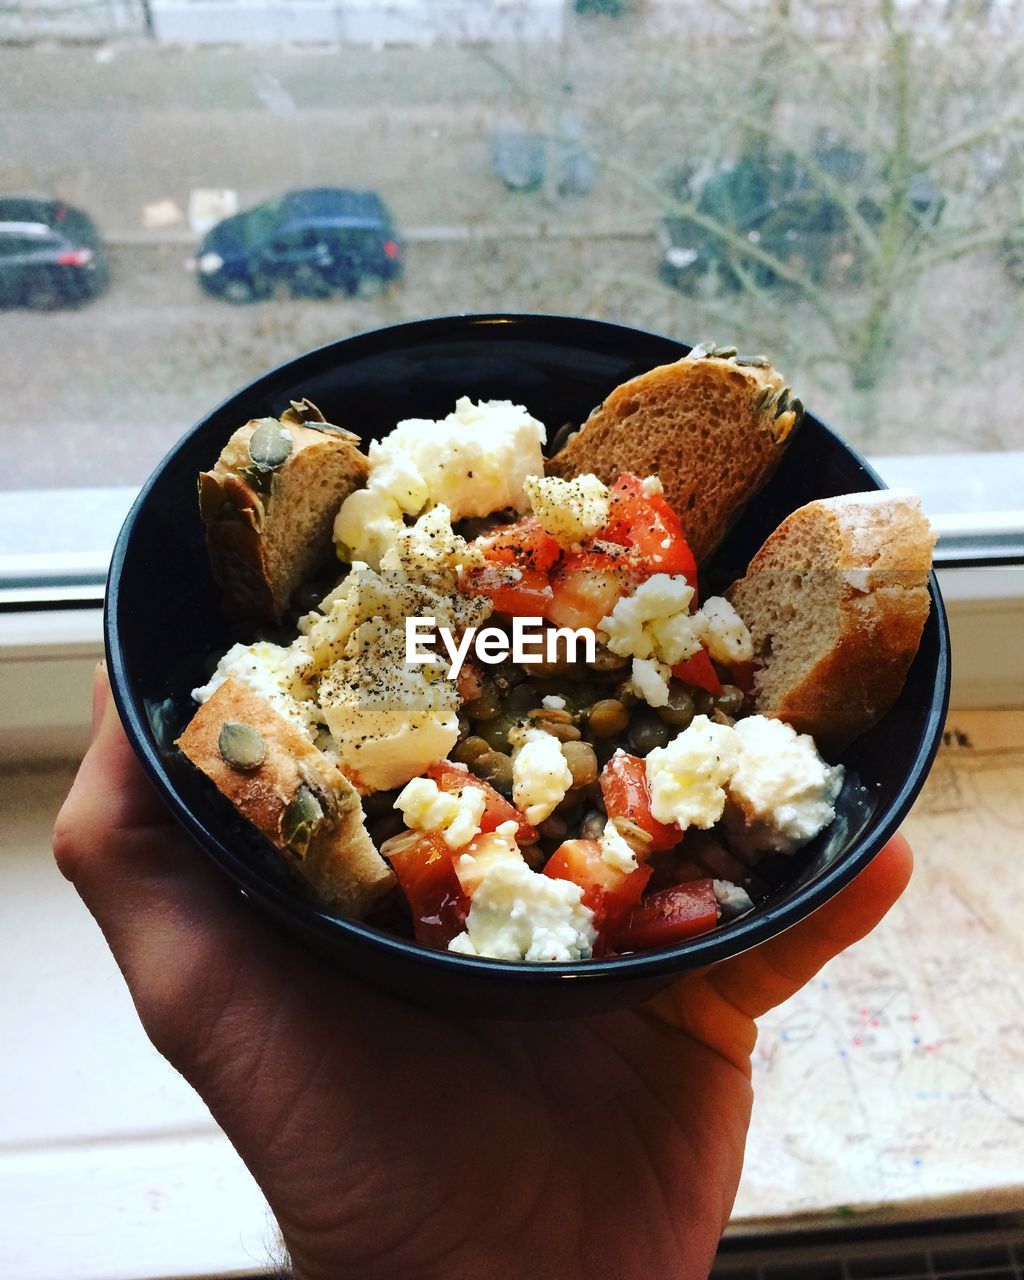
x=391, y=1142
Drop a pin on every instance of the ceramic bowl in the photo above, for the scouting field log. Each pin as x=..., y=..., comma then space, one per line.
x=163, y=624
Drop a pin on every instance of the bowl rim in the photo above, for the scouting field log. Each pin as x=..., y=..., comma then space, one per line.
x=729, y=939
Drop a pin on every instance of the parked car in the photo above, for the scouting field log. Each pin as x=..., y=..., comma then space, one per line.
x=774, y=202
x=314, y=242
x=51, y=254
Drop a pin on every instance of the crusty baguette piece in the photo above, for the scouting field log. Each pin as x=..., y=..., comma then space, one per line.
x=336, y=856
x=711, y=429
x=269, y=528
x=835, y=601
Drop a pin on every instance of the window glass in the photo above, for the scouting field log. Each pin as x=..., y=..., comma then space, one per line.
x=838, y=186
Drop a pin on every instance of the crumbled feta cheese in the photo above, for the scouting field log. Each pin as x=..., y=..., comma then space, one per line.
x=474, y=461
x=367, y=524
x=725, y=635
x=519, y=914
x=425, y=807
x=781, y=793
x=732, y=898
x=430, y=553
x=687, y=778
x=652, y=487
x=540, y=776
x=650, y=680
x=616, y=851
x=552, y=702
x=276, y=673
x=654, y=621
x=569, y=510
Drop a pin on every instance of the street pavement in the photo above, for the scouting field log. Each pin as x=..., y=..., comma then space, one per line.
x=96, y=396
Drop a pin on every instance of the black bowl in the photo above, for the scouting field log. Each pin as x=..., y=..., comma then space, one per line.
x=163, y=623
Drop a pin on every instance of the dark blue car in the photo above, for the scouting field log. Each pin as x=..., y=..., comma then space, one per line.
x=314, y=243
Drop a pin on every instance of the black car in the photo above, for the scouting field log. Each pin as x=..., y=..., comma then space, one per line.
x=314, y=242
x=51, y=254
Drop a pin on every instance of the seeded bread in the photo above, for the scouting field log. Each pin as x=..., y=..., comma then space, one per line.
x=332, y=852
x=835, y=601
x=712, y=428
x=269, y=517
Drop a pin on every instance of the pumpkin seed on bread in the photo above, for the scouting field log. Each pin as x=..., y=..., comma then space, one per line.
x=835, y=601
x=291, y=792
x=269, y=505
x=711, y=426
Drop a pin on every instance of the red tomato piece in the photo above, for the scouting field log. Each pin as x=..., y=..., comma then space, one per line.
x=451, y=777
x=524, y=544
x=519, y=592
x=626, y=795
x=427, y=877
x=647, y=523
x=742, y=675
x=668, y=916
x=607, y=891
x=699, y=672
x=587, y=584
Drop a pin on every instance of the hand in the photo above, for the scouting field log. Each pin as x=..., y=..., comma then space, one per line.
x=392, y=1142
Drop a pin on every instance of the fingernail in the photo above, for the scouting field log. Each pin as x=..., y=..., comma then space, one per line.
x=100, y=691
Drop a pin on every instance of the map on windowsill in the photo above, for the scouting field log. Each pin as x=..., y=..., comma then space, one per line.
x=894, y=1084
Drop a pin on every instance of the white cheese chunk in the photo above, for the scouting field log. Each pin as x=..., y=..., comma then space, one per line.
x=616, y=851
x=474, y=461
x=390, y=720
x=781, y=793
x=569, y=510
x=687, y=778
x=425, y=807
x=725, y=633
x=276, y=673
x=519, y=914
x=732, y=898
x=654, y=622
x=367, y=524
x=540, y=776
x=650, y=680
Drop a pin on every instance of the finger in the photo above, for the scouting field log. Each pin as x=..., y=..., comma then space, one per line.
x=175, y=925
x=100, y=692
x=771, y=973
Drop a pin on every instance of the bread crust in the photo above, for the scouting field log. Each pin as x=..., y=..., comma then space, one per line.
x=836, y=600
x=341, y=863
x=266, y=533
x=705, y=425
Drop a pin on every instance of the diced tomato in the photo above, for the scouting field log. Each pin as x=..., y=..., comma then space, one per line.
x=524, y=544
x=668, y=916
x=450, y=777
x=742, y=675
x=519, y=592
x=699, y=672
x=427, y=877
x=647, y=523
x=607, y=891
x=626, y=795
x=587, y=584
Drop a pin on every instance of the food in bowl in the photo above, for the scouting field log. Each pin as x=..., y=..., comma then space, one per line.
x=418, y=771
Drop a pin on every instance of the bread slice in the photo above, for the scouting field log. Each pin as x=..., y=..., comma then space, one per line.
x=712, y=428
x=333, y=852
x=835, y=601
x=269, y=521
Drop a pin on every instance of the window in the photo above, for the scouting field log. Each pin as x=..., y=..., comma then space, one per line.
x=836, y=185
